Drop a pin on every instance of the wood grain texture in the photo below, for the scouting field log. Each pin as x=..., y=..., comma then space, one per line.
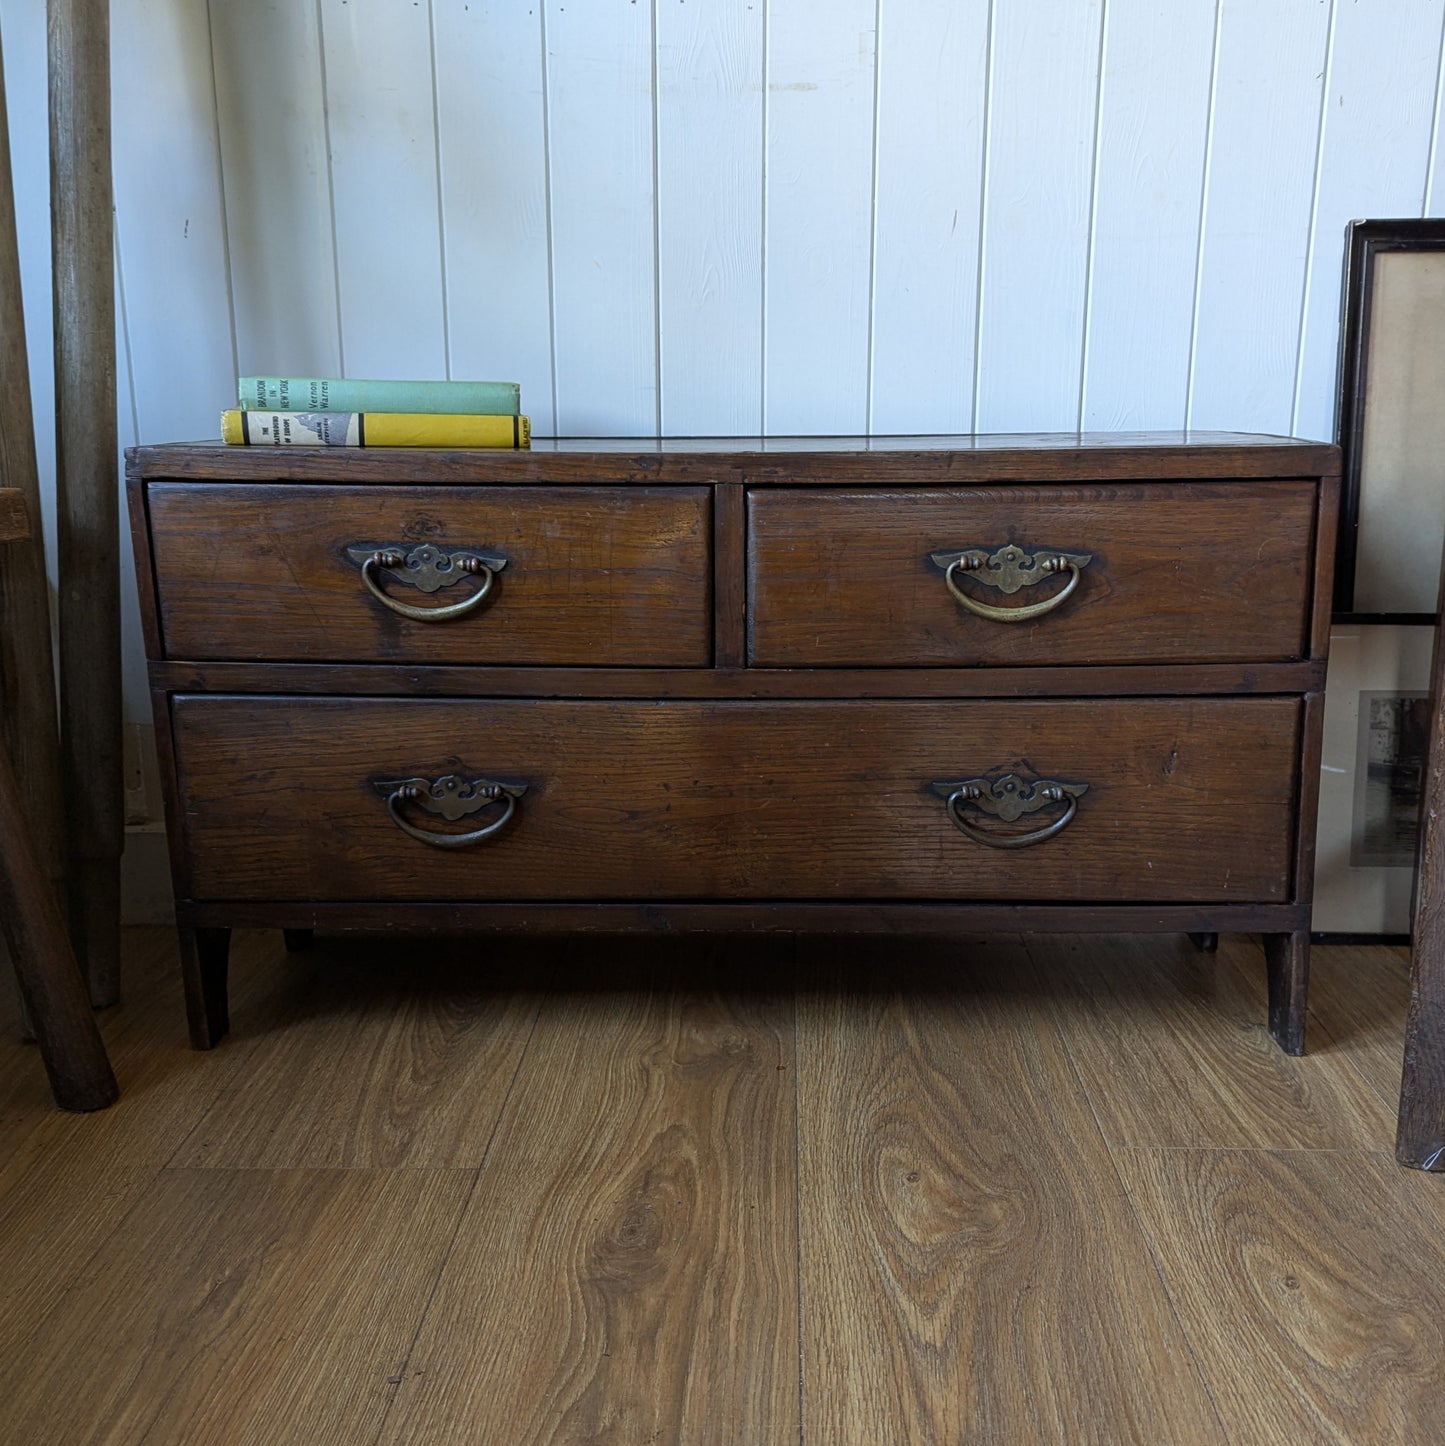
x=950, y=461
x=460, y=681
x=593, y=575
x=28, y=723
x=395, y=1056
x=51, y=984
x=971, y=1269
x=1172, y=1047
x=87, y=491
x=1177, y=573
x=67, y=1181
x=1359, y=994
x=1421, y=1137
x=632, y=1237
x=1188, y=801
x=276, y=1318
x=1286, y=1271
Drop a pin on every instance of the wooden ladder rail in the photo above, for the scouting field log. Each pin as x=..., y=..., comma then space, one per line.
x=51, y=983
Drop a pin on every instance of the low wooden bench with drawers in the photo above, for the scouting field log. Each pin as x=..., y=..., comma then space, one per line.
x=978, y=683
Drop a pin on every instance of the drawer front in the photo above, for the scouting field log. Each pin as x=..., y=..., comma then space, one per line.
x=1182, y=573
x=344, y=799
x=600, y=576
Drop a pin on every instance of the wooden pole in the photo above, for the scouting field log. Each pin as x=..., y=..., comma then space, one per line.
x=50, y=982
x=27, y=674
x=87, y=480
x=1420, y=1135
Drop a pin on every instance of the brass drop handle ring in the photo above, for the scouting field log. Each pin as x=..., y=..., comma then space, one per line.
x=1009, y=797
x=426, y=615
x=428, y=568
x=1008, y=569
x=451, y=798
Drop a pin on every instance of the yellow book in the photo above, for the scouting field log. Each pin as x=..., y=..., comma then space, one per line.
x=372, y=429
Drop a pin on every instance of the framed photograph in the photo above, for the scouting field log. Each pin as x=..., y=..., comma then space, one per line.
x=1377, y=727
x=1391, y=420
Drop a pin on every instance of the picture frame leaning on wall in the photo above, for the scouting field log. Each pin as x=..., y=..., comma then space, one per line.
x=1390, y=425
x=1391, y=421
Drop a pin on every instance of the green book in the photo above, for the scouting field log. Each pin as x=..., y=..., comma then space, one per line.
x=348, y=394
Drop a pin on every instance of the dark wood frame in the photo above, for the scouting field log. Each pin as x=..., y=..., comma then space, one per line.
x=1366, y=240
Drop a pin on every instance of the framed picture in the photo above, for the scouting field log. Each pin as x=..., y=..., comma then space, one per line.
x=1377, y=727
x=1391, y=420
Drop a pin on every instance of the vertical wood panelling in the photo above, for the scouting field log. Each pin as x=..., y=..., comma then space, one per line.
x=932, y=60
x=170, y=223
x=381, y=127
x=23, y=23
x=493, y=147
x=1434, y=199
x=1154, y=111
x=271, y=118
x=1379, y=106
x=1258, y=202
x=1043, y=93
x=819, y=166
x=709, y=182
x=600, y=123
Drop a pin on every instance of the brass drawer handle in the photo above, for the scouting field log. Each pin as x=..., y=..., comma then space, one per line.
x=451, y=798
x=427, y=568
x=1009, y=568
x=1008, y=798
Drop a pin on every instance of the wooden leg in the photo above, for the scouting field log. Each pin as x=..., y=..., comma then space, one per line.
x=50, y=980
x=1205, y=943
x=204, y=956
x=298, y=940
x=1287, y=957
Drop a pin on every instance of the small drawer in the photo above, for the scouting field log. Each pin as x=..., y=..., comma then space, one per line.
x=601, y=576
x=1144, y=573
x=1140, y=800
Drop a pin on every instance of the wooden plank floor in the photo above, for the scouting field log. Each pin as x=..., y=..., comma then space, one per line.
x=741, y=1191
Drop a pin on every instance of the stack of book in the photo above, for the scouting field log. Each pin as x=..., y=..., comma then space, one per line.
x=336, y=412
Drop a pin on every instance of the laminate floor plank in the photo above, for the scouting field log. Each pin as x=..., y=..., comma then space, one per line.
x=1360, y=993
x=232, y=1307
x=1172, y=1046
x=971, y=1267
x=67, y=1180
x=626, y=1270
x=1311, y=1285
x=390, y=1053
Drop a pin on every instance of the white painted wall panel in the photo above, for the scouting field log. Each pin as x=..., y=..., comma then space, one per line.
x=381, y=128
x=819, y=217
x=1375, y=152
x=600, y=124
x=169, y=219
x=271, y=118
x=1043, y=91
x=710, y=216
x=491, y=124
x=932, y=94
x=1258, y=201
x=22, y=23
x=1149, y=188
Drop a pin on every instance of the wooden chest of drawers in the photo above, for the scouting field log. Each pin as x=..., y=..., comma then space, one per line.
x=1061, y=683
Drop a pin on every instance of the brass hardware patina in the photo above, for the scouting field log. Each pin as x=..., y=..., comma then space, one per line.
x=1009, y=568
x=428, y=568
x=1008, y=797
x=452, y=798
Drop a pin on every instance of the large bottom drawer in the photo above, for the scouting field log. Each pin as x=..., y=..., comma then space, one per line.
x=1148, y=800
